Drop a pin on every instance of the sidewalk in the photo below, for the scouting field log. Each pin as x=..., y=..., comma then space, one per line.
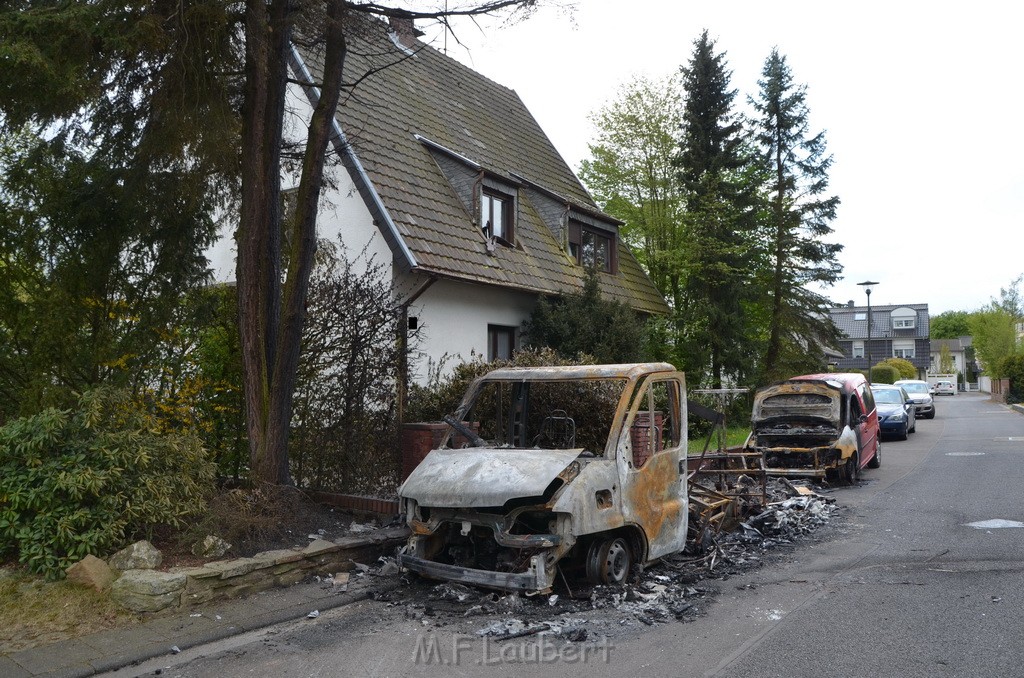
x=185, y=628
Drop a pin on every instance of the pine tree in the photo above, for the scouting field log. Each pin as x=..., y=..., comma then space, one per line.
x=795, y=224
x=713, y=168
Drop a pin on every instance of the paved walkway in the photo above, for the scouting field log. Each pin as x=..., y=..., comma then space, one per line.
x=183, y=629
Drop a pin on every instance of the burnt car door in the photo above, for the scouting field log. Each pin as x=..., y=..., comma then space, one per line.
x=651, y=447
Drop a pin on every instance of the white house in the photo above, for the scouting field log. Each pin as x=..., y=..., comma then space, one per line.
x=446, y=174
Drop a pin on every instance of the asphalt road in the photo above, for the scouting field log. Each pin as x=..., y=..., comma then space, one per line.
x=900, y=585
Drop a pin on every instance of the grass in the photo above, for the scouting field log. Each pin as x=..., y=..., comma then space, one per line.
x=734, y=437
x=35, y=612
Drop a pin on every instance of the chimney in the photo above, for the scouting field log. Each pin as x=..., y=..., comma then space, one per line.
x=404, y=30
x=849, y=304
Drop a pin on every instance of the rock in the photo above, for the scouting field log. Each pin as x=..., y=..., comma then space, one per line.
x=139, y=556
x=148, y=590
x=92, y=572
x=211, y=546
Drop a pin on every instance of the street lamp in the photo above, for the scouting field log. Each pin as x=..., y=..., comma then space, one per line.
x=867, y=349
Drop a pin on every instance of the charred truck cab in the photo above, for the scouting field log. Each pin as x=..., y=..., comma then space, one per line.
x=816, y=426
x=578, y=469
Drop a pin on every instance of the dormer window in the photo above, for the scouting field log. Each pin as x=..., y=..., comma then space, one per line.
x=496, y=216
x=592, y=247
x=904, y=319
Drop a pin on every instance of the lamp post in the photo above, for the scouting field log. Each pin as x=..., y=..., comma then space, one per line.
x=867, y=349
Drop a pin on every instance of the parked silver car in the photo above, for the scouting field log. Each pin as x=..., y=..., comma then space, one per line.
x=945, y=388
x=919, y=392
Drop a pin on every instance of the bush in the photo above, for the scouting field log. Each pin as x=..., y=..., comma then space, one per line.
x=1012, y=368
x=442, y=395
x=903, y=367
x=344, y=437
x=83, y=481
x=883, y=373
x=585, y=323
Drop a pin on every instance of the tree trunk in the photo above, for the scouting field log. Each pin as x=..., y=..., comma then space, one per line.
x=271, y=316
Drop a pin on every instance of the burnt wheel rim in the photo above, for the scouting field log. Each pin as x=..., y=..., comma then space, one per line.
x=615, y=562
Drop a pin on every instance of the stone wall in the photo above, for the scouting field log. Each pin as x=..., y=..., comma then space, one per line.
x=153, y=590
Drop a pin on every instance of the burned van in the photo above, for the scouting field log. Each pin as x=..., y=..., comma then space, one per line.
x=572, y=469
x=816, y=425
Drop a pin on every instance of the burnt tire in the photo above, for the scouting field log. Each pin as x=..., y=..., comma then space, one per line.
x=609, y=561
x=851, y=469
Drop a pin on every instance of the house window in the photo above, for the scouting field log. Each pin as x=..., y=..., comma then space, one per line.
x=501, y=342
x=858, y=349
x=903, y=323
x=496, y=216
x=860, y=316
x=903, y=349
x=592, y=248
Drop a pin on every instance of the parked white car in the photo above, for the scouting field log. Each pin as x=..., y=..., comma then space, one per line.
x=945, y=388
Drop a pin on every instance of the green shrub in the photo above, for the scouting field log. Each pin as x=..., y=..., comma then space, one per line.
x=1012, y=368
x=883, y=373
x=903, y=367
x=441, y=396
x=78, y=482
x=585, y=323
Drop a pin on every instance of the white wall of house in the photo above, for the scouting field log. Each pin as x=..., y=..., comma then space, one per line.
x=342, y=210
x=453, y=318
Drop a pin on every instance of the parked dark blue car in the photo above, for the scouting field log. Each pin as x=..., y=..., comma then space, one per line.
x=896, y=415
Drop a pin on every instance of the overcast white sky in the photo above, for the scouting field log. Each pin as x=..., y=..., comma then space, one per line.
x=921, y=104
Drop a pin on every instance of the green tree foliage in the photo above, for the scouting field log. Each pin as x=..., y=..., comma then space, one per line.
x=993, y=337
x=795, y=224
x=946, y=363
x=904, y=368
x=712, y=171
x=1012, y=368
x=631, y=175
x=994, y=328
x=182, y=99
x=950, y=325
x=584, y=323
x=81, y=482
x=95, y=260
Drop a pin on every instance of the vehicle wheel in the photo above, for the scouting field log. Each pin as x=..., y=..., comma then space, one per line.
x=609, y=561
x=931, y=415
x=914, y=427
x=851, y=469
x=906, y=431
x=876, y=460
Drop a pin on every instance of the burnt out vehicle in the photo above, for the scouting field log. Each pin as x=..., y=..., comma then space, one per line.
x=573, y=469
x=818, y=425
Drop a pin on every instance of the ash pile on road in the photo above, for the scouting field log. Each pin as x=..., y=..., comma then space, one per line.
x=679, y=588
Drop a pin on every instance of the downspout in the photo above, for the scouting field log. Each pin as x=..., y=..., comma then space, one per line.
x=402, y=336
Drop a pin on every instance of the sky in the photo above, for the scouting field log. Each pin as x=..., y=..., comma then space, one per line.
x=922, y=105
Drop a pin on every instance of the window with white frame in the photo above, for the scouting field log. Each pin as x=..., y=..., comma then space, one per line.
x=904, y=319
x=858, y=349
x=903, y=349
